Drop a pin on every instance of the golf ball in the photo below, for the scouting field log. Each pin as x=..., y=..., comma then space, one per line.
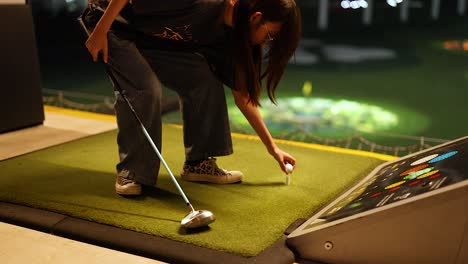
x=289, y=167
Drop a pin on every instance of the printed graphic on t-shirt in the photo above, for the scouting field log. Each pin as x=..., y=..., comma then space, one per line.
x=178, y=33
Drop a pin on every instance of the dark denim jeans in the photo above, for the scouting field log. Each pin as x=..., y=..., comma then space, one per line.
x=140, y=72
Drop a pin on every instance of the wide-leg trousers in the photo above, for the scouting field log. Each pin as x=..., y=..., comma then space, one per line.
x=141, y=72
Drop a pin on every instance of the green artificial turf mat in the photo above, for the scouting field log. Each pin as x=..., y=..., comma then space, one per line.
x=77, y=179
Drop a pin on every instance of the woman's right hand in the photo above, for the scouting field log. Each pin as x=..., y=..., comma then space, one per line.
x=96, y=43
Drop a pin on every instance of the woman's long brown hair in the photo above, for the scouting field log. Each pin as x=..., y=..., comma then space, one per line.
x=248, y=59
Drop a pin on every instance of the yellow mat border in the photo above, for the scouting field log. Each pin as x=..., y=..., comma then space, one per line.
x=323, y=147
x=106, y=117
x=79, y=113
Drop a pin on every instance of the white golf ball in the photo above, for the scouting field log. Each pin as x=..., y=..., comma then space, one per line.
x=289, y=167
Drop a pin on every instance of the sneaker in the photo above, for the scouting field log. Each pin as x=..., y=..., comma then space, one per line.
x=208, y=171
x=124, y=186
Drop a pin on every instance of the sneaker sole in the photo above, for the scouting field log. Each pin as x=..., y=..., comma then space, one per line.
x=129, y=189
x=210, y=179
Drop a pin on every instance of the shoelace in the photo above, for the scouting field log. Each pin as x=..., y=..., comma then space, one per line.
x=215, y=169
x=125, y=180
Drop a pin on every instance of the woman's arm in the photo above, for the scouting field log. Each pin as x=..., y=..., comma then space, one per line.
x=97, y=41
x=252, y=115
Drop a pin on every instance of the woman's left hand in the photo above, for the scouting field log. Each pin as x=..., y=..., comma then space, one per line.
x=282, y=158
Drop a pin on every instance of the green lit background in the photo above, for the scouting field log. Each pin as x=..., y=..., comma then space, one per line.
x=418, y=89
x=419, y=92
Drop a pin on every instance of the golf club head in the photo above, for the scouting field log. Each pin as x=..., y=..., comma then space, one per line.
x=198, y=219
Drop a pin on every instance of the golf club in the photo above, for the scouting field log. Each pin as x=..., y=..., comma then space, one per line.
x=196, y=218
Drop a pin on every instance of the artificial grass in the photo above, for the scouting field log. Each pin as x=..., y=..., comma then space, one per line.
x=77, y=179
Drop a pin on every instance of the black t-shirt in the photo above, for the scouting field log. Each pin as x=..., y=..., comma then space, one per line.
x=185, y=25
x=195, y=21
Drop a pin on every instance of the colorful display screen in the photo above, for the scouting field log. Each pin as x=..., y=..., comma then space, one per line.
x=404, y=178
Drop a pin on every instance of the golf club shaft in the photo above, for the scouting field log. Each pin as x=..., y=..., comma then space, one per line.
x=145, y=132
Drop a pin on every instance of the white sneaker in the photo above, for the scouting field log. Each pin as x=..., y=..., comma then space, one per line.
x=125, y=186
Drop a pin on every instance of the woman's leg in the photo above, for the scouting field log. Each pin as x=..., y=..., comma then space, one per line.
x=203, y=102
x=206, y=123
x=138, y=162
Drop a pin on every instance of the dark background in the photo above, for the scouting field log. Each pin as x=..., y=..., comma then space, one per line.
x=434, y=74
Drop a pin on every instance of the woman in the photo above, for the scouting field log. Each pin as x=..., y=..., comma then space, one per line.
x=193, y=47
